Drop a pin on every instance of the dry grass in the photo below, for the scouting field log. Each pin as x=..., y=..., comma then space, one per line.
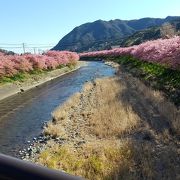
x=154, y=100
x=95, y=160
x=104, y=114
x=55, y=127
x=113, y=159
x=61, y=112
x=54, y=131
x=109, y=117
x=126, y=128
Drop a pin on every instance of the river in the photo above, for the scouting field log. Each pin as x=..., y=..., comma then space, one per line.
x=22, y=115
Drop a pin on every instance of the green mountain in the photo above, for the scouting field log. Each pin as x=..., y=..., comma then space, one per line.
x=102, y=34
x=165, y=31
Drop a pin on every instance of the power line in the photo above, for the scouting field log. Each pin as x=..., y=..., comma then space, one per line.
x=26, y=47
x=33, y=48
x=7, y=44
x=10, y=47
x=52, y=45
x=14, y=44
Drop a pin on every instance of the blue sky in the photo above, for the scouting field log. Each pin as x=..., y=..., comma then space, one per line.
x=47, y=21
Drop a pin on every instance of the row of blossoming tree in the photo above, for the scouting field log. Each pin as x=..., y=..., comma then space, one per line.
x=11, y=65
x=161, y=51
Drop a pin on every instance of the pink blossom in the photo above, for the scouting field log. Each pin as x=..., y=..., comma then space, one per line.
x=162, y=51
x=13, y=64
x=21, y=63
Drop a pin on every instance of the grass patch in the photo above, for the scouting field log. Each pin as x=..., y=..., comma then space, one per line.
x=107, y=137
x=93, y=160
x=18, y=77
x=157, y=76
x=112, y=159
x=23, y=76
x=104, y=114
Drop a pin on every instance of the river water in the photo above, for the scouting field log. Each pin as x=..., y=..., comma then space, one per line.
x=22, y=115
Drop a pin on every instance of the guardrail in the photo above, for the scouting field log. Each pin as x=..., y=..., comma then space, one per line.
x=12, y=168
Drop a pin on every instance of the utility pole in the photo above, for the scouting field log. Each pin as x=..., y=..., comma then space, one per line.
x=23, y=44
x=34, y=50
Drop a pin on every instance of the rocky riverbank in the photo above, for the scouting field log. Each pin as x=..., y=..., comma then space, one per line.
x=115, y=127
x=38, y=144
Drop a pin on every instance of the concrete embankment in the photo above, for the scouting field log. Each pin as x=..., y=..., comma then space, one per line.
x=10, y=89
